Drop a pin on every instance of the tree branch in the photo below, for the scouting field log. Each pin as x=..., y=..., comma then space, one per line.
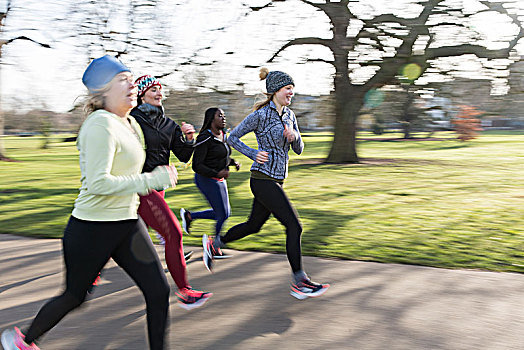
x=304, y=41
x=315, y=4
x=320, y=60
x=258, y=8
x=464, y=49
x=501, y=9
x=337, y=12
x=389, y=18
x=446, y=24
x=23, y=37
x=389, y=67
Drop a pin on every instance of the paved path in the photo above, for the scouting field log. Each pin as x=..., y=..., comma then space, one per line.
x=369, y=305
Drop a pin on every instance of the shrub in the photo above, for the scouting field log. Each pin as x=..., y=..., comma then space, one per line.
x=466, y=124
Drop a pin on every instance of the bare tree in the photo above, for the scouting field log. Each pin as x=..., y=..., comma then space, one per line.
x=4, y=12
x=385, y=43
x=125, y=30
x=137, y=33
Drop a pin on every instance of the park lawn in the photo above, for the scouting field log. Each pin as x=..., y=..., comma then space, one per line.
x=436, y=203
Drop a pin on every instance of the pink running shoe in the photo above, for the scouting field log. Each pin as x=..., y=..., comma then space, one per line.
x=188, y=298
x=13, y=339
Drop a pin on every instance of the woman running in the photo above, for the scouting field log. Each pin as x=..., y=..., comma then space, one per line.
x=276, y=129
x=104, y=223
x=211, y=162
x=163, y=136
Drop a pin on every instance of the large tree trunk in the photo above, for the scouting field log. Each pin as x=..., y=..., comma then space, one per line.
x=406, y=128
x=344, y=147
x=409, y=116
x=347, y=98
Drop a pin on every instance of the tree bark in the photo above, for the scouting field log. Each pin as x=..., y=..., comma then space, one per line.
x=348, y=99
x=406, y=127
x=348, y=103
x=343, y=147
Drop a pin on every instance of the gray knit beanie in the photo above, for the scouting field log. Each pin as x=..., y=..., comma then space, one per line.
x=275, y=80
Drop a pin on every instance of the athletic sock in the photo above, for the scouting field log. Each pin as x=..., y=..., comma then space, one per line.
x=299, y=276
x=217, y=243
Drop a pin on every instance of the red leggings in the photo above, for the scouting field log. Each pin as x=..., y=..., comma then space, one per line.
x=156, y=214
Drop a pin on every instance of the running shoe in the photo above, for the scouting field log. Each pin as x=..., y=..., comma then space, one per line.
x=91, y=288
x=307, y=288
x=13, y=339
x=207, y=257
x=216, y=251
x=160, y=238
x=185, y=216
x=188, y=255
x=189, y=298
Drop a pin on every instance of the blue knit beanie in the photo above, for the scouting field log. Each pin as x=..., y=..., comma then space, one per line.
x=275, y=80
x=100, y=72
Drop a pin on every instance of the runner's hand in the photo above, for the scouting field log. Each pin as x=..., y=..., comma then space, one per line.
x=262, y=157
x=188, y=130
x=289, y=134
x=173, y=174
x=224, y=173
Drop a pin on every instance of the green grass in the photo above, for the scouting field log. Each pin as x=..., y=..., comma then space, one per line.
x=436, y=203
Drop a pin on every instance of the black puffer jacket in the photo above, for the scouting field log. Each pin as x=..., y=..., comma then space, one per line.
x=211, y=155
x=162, y=135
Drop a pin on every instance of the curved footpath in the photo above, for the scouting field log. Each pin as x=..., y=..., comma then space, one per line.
x=369, y=305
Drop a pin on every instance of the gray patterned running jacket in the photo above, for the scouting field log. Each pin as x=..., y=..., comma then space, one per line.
x=268, y=127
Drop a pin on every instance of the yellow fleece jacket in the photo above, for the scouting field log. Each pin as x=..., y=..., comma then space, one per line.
x=111, y=160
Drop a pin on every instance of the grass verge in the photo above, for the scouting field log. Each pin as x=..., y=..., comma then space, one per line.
x=436, y=203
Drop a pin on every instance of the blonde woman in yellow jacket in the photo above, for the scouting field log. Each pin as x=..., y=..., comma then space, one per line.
x=104, y=223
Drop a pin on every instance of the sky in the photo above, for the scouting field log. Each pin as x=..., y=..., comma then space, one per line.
x=218, y=31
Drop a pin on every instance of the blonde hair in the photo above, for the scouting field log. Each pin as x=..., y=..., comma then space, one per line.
x=259, y=104
x=269, y=96
x=96, y=99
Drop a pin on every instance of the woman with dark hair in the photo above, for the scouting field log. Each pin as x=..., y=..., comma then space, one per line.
x=104, y=223
x=276, y=129
x=163, y=136
x=211, y=161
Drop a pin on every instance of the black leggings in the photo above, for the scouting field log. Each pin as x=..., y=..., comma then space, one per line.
x=270, y=198
x=87, y=246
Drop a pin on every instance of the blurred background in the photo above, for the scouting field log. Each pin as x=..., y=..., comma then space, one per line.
x=411, y=113
x=412, y=117
x=403, y=65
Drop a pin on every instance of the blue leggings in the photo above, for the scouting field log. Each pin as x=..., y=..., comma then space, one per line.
x=216, y=194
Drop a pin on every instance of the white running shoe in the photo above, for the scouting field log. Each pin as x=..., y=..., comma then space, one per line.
x=207, y=257
x=185, y=216
x=307, y=288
